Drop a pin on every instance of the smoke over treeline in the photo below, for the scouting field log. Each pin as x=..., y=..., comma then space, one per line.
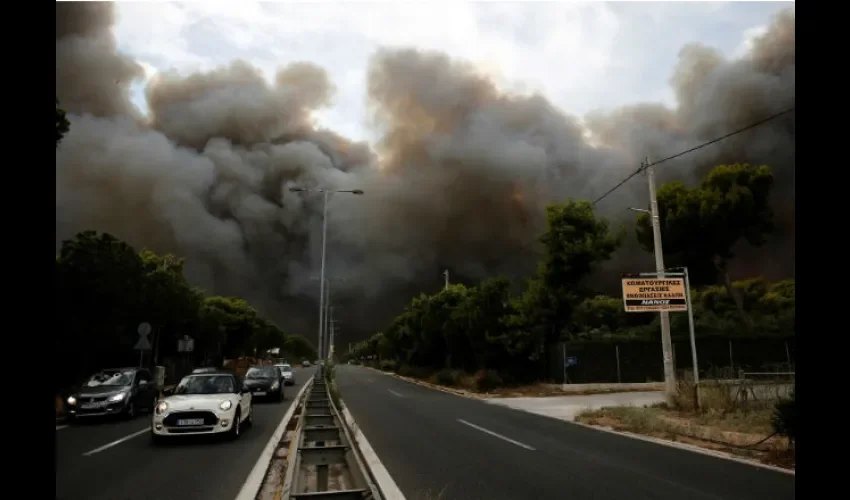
x=459, y=179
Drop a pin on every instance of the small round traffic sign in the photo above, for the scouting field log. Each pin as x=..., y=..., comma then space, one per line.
x=144, y=329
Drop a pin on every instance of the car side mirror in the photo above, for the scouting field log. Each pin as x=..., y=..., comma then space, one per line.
x=244, y=390
x=167, y=392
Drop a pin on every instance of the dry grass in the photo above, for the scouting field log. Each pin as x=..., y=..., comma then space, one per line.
x=725, y=423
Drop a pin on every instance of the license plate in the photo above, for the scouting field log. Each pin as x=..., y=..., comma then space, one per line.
x=89, y=406
x=191, y=421
x=260, y=393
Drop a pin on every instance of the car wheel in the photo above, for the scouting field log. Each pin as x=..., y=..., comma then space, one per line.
x=235, y=428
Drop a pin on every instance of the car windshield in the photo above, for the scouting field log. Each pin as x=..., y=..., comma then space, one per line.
x=206, y=384
x=111, y=377
x=261, y=372
x=285, y=368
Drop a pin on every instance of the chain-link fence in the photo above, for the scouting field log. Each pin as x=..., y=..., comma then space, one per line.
x=641, y=361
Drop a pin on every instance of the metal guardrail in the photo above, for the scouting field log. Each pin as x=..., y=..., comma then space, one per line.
x=326, y=463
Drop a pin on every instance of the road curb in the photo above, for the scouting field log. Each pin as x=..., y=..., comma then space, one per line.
x=468, y=395
x=254, y=482
x=388, y=487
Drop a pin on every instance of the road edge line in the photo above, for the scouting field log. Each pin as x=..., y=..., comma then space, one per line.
x=254, y=481
x=389, y=489
x=662, y=442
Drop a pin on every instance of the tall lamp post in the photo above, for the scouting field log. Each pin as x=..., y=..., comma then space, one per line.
x=326, y=193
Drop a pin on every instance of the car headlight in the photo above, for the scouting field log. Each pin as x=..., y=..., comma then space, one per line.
x=161, y=407
x=225, y=405
x=72, y=400
x=275, y=385
x=117, y=397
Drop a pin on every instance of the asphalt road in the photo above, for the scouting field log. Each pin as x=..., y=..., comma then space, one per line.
x=439, y=445
x=87, y=467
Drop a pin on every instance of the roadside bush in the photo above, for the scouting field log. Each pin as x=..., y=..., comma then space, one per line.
x=403, y=370
x=449, y=378
x=486, y=380
x=387, y=365
x=785, y=417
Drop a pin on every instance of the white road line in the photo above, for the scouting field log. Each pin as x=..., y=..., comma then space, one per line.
x=495, y=434
x=116, y=442
x=60, y=427
x=395, y=393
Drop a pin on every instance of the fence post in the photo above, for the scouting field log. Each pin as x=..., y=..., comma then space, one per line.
x=731, y=358
x=787, y=354
x=617, y=353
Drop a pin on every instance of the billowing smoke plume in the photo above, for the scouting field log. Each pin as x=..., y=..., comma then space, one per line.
x=459, y=179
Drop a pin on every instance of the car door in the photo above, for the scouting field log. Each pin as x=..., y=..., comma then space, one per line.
x=147, y=391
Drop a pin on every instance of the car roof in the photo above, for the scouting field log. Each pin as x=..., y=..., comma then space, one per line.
x=126, y=369
x=205, y=374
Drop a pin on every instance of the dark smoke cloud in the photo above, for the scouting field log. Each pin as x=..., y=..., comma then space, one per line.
x=459, y=179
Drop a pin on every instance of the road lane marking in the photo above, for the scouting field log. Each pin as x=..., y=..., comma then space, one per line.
x=116, y=442
x=496, y=434
x=60, y=427
x=395, y=393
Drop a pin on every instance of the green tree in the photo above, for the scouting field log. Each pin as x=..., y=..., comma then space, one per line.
x=299, y=347
x=233, y=321
x=700, y=226
x=575, y=242
x=98, y=283
x=170, y=304
x=62, y=124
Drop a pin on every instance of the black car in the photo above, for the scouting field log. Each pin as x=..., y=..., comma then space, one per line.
x=264, y=382
x=114, y=391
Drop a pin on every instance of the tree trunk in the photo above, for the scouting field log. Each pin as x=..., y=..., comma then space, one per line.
x=720, y=265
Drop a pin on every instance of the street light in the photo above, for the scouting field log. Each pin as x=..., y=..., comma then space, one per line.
x=326, y=193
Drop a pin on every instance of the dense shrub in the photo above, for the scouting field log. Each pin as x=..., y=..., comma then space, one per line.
x=785, y=417
x=449, y=378
x=486, y=380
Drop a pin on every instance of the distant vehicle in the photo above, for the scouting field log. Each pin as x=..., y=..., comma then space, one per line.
x=114, y=391
x=208, y=369
x=287, y=375
x=264, y=381
x=305, y=363
x=204, y=403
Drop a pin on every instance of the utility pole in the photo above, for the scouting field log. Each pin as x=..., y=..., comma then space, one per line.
x=666, y=342
x=332, y=331
x=325, y=193
x=446, y=274
x=322, y=277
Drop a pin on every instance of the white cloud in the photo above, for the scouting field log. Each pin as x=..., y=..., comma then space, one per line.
x=582, y=56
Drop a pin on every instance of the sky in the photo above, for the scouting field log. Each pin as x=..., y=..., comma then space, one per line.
x=582, y=56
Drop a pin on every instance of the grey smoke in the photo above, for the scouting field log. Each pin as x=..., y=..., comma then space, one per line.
x=464, y=171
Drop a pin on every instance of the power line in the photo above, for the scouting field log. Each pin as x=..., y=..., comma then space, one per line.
x=691, y=150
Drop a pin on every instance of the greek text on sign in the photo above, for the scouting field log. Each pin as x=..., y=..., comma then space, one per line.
x=654, y=294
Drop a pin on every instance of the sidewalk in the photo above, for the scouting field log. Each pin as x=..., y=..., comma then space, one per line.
x=567, y=407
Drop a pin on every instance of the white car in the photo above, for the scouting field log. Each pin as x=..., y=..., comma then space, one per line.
x=288, y=375
x=203, y=403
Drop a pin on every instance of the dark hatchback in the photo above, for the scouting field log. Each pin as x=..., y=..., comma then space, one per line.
x=264, y=382
x=114, y=391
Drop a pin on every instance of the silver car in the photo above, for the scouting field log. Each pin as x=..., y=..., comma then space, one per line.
x=287, y=375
